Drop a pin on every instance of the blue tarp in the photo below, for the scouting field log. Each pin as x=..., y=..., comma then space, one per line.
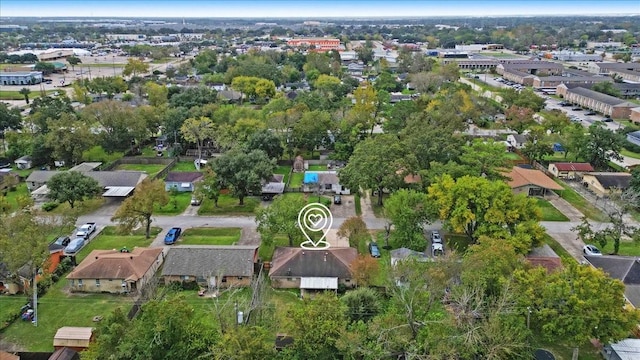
x=557, y=147
x=310, y=178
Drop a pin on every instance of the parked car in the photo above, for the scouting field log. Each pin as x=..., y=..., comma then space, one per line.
x=437, y=249
x=576, y=108
x=564, y=103
x=591, y=250
x=62, y=241
x=172, y=236
x=195, y=201
x=74, y=245
x=374, y=250
x=86, y=230
x=337, y=199
x=435, y=237
x=607, y=119
x=591, y=113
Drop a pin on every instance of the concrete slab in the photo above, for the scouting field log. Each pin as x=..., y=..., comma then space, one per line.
x=336, y=241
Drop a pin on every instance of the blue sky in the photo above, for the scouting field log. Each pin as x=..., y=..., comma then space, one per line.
x=311, y=8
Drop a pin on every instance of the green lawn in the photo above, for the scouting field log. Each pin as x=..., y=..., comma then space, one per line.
x=549, y=212
x=56, y=309
x=358, y=205
x=109, y=239
x=512, y=156
x=627, y=248
x=630, y=154
x=10, y=305
x=283, y=170
x=581, y=203
x=177, y=204
x=311, y=198
x=378, y=211
x=296, y=180
x=23, y=173
x=12, y=196
x=184, y=166
x=210, y=236
x=150, y=169
x=457, y=242
x=317, y=168
x=15, y=94
x=228, y=205
x=564, y=352
x=81, y=208
x=265, y=251
x=559, y=157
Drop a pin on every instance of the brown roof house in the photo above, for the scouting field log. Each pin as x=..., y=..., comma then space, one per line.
x=182, y=181
x=569, y=170
x=312, y=270
x=603, y=183
x=210, y=265
x=116, y=271
x=544, y=256
x=76, y=338
x=531, y=182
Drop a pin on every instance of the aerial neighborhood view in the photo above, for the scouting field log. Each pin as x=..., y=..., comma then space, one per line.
x=319, y=180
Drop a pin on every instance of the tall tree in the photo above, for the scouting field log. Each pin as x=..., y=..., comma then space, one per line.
x=485, y=158
x=519, y=118
x=281, y=218
x=209, y=187
x=73, y=61
x=10, y=119
x=312, y=130
x=25, y=92
x=377, y=163
x=197, y=131
x=157, y=94
x=135, y=67
x=409, y=212
x=69, y=138
x=602, y=145
x=139, y=208
x=119, y=123
x=266, y=141
x=72, y=186
x=244, y=172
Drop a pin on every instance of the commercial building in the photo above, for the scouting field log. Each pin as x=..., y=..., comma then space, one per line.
x=20, y=78
x=126, y=37
x=317, y=44
x=602, y=103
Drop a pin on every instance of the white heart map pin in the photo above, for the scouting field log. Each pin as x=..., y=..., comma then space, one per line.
x=313, y=218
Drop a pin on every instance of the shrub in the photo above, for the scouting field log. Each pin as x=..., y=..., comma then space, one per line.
x=48, y=206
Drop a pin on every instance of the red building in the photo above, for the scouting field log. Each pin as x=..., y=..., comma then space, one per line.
x=318, y=44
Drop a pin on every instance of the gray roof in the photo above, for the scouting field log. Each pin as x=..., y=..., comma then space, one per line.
x=610, y=180
x=619, y=66
x=627, y=349
x=86, y=166
x=520, y=138
x=210, y=260
x=41, y=176
x=104, y=178
x=298, y=262
x=328, y=178
x=603, y=98
x=624, y=268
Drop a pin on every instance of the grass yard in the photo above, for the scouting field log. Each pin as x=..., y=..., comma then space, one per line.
x=23, y=173
x=177, y=204
x=317, y=168
x=210, y=236
x=184, y=166
x=457, y=242
x=512, y=156
x=13, y=196
x=630, y=154
x=150, y=169
x=582, y=204
x=296, y=180
x=358, y=205
x=311, y=198
x=284, y=170
x=378, y=210
x=565, y=352
x=10, y=305
x=81, y=208
x=627, y=248
x=109, y=239
x=265, y=251
x=56, y=309
x=228, y=205
x=559, y=157
x=549, y=212
x=15, y=94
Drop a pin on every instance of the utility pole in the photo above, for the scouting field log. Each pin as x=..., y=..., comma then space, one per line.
x=528, y=316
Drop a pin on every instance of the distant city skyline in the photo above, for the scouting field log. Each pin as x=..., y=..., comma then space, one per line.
x=311, y=8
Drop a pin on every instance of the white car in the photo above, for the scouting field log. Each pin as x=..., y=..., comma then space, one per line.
x=590, y=250
x=437, y=249
x=86, y=230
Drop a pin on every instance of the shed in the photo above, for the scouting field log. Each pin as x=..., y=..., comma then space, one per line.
x=298, y=164
x=24, y=162
x=76, y=338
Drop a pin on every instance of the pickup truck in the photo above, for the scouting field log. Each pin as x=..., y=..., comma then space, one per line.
x=86, y=230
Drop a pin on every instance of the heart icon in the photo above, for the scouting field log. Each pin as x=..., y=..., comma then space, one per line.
x=315, y=219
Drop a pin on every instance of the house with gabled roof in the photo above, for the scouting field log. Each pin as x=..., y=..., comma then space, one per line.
x=530, y=181
x=603, y=183
x=570, y=170
x=116, y=271
x=312, y=270
x=623, y=268
x=211, y=265
x=182, y=181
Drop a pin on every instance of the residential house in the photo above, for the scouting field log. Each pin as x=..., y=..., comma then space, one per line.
x=117, y=184
x=311, y=270
x=531, y=182
x=403, y=254
x=517, y=141
x=398, y=97
x=627, y=349
x=603, y=183
x=635, y=117
x=75, y=338
x=211, y=266
x=10, y=284
x=355, y=69
x=607, y=67
x=569, y=170
x=24, y=163
x=623, y=268
x=275, y=186
x=325, y=180
x=544, y=256
x=116, y=271
x=634, y=137
x=182, y=181
x=231, y=96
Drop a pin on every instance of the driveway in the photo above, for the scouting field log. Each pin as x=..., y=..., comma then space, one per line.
x=345, y=210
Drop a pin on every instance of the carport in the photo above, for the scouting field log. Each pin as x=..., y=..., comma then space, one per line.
x=318, y=284
x=118, y=191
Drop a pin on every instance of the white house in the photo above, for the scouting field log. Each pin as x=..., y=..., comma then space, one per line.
x=24, y=162
x=516, y=140
x=327, y=180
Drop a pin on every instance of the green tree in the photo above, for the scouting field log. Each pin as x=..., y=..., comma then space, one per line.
x=601, y=146
x=606, y=87
x=45, y=67
x=477, y=206
x=244, y=172
x=73, y=61
x=10, y=119
x=281, y=218
x=362, y=304
x=197, y=131
x=519, y=118
x=25, y=92
x=120, y=124
x=316, y=330
x=135, y=67
x=69, y=138
x=311, y=131
x=409, y=212
x=266, y=141
x=157, y=94
x=355, y=230
x=209, y=187
x=575, y=304
x=246, y=342
x=489, y=265
x=537, y=145
x=327, y=84
x=72, y=186
x=485, y=158
x=139, y=208
x=377, y=163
